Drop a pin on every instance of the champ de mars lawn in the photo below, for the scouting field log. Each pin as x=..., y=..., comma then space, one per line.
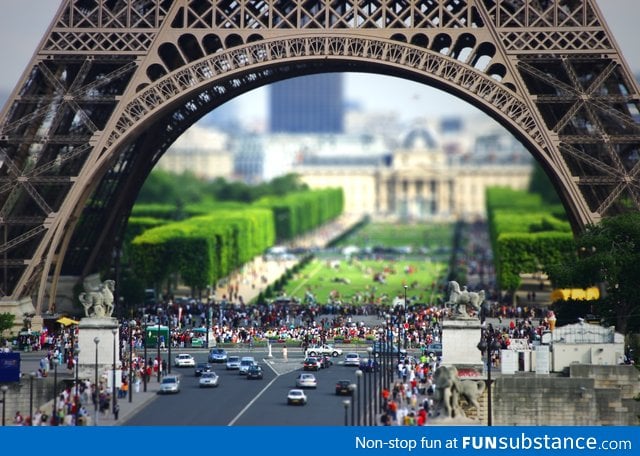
x=352, y=281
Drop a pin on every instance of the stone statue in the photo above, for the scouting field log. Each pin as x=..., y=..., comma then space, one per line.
x=449, y=390
x=98, y=301
x=460, y=299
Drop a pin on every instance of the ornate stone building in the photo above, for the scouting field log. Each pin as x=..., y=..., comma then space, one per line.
x=419, y=180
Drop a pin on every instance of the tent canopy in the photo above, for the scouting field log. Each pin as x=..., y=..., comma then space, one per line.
x=66, y=321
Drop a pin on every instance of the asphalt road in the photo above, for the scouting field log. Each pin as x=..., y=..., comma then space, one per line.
x=238, y=401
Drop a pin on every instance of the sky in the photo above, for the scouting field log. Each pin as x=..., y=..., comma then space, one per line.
x=24, y=22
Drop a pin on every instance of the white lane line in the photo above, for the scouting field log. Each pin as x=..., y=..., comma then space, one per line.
x=246, y=407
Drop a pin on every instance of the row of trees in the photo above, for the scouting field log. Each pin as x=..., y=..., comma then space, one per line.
x=218, y=238
x=527, y=235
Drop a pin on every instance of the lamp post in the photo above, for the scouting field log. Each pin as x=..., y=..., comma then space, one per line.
x=114, y=397
x=54, y=417
x=488, y=344
x=131, y=326
x=372, y=376
x=32, y=375
x=144, y=364
x=96, y=340
x=404, y=329
x=4, y=389
x=359, y=401
x=158, y=344
x=346, y=403
x=352, y=389
x=168, y=341
x=76, y=355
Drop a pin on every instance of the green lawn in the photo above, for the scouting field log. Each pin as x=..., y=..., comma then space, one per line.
x=324, y=276
x=431, y=238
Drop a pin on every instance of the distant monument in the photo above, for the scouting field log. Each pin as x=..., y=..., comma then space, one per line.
x=461, y=331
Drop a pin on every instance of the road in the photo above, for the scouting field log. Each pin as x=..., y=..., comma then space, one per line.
x=241, y=402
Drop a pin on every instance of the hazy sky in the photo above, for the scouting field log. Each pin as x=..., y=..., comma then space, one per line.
x=23, y=23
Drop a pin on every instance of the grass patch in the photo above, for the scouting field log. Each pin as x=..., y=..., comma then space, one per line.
x=353, y=281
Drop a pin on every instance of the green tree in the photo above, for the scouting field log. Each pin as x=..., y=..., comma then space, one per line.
x=6, y=322
x=541, y=184
x=608, y=255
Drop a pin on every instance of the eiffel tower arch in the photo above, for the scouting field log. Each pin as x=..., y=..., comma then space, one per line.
x=114, y=82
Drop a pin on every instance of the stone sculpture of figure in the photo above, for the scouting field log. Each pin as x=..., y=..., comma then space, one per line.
x=460, y=299
x=98, y=301
x=449, y=390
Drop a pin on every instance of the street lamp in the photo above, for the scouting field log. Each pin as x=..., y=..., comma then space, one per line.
x=404, y=329
x=144, y=364
x=32, y=375
x=346, y=403
x=488, y=344
x=372, y=376
x=359, y=402
x=131, y=326
x=352, y=389
x=158, y=344
x=114, y=398
x=76, y=355
x=4, y=389
x=54, y=417
x=96, y=340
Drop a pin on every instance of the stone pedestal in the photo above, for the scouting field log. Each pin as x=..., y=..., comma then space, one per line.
x=460, y=338
x=88, y=329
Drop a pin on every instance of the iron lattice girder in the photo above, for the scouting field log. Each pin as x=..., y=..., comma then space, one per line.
x=110, y=72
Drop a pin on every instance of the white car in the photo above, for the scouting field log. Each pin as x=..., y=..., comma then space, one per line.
x=169, y=384
x=306, y=381
x=185, y=360
x=352, y=359
x=323, y=350
x=245, y=363
x=296, y=396
x=208, y=379
x=233, y=362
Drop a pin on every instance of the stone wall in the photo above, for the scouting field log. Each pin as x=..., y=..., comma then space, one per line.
x=591, y=396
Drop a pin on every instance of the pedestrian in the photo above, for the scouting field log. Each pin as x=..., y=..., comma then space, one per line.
x=284, y=353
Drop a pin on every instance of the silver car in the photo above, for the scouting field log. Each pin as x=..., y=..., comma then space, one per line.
x=233, y=363
x=208, y=380
x=170, y=384
x=306, y=381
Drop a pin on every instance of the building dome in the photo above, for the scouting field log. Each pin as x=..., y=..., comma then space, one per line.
x=419, y=138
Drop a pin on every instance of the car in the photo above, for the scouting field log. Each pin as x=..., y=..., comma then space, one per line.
x=343, y=387
x=387, y=348
x=202, y=368
x=433, y=349
x=352, y=359
x=316, y=350
x=369, y=365
x=233, y=363
x=170, y=384
x=311, y=363
x=296, y=396
x=306, y=381
x=245, y=363
x=254, y=371
x=185, y=360
x=208, y=379
x=218, y=355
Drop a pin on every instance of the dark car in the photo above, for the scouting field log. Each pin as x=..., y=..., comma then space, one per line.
x=311, y=363
x=254, y=372
x=382, y=348
x=434, y=349
x=343, y=387
x=201, y=368
x=369, y=365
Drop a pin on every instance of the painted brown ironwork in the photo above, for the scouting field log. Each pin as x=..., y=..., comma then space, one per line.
x=115, y=82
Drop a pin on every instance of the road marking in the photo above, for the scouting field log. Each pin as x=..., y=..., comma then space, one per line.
x=237, y=417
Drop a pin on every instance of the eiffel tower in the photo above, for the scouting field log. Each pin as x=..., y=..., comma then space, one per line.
x=115, y=82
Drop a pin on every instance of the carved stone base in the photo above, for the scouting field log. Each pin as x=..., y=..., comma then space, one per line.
x=460, y=338
x=88, y=329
